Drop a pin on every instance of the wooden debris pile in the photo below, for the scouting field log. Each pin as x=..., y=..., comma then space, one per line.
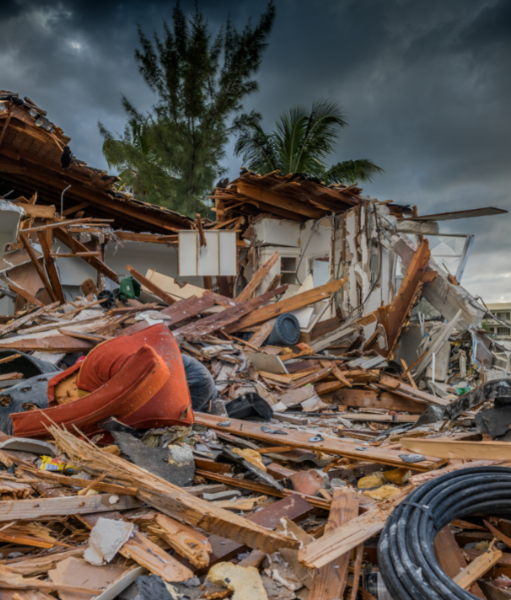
x=298, y=453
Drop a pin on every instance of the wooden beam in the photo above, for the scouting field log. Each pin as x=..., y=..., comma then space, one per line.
x=327, y=548
x=76, y=246
x=202, y=237
x=152, y=287
x=23, y=293
x=398, y=315
x=257, y=278
x=447, y=449
x=262, y=488
x=294, y=508
x=38, y=267
x=86, y=221
x=222, y=321
x=359, y=398
x=98, y=198
x=330, y=581
x=6, y=125
x=450, y=557
x=146, y=553
x=477, y=568
x=262, y=334
x=50, y=267
x=278, y=308
x=38, y=211
x=279, y=200
x=75, y=208
x=53, y=343
x=29, y=316
x=301, y=439
x=38, y=508
x=170, y=499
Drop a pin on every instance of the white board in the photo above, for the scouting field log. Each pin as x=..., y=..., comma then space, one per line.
x=228, y=254
x=218, y=257
x=187, y=253
x=209, y=255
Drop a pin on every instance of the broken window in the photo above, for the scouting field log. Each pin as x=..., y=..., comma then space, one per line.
x=319, y=267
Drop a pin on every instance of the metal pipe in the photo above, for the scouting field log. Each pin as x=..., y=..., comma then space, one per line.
x=62, y=201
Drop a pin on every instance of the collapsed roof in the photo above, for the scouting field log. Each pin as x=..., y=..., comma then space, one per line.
x=35, y=157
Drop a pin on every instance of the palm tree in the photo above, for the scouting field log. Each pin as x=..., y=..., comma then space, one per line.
x=301, y=143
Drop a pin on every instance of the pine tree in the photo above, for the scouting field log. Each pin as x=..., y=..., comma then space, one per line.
x=172, y=156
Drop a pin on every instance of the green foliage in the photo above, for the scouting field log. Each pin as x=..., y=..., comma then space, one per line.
x=172, y=156
x=301, y=143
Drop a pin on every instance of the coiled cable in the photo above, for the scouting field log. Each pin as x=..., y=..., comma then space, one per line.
x=405, y=552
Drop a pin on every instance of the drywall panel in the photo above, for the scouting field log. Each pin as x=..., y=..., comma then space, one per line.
x=227, y=250
x=188, y=253
x=217, y=257
x=209, y=255
x=173, y=287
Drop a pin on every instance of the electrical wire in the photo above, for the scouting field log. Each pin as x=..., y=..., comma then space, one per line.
x=406, y=554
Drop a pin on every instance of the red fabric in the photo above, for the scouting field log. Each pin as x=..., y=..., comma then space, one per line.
x=170, y=406
x=127, y=392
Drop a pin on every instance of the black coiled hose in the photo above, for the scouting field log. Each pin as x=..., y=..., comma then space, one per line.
x=405, y=553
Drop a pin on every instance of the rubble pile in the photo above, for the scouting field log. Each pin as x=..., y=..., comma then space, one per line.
x=330, y=422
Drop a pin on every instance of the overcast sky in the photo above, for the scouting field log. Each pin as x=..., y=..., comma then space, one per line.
x=425, y=85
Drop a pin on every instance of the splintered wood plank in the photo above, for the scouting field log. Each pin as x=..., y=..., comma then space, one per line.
x=56, y=343
x=50, y=267
x=152, y=287
x=146, y=553
x=448, y=449
x=29, y=510
x=359, y=555
x=477, y=568
x=29, y=316
x=300, y=439
x=170, y=499
x=330, y=581
x=350, y=535
x=257, y=278
x=22, y=292
x=222, y=320
x=42, y=564
x=188, y=308
x=185, y=540
x=450, y=557
x=358, y=398
x=293, y=507
x=261, y=315
x=262, y=488
x=38, y=267
x=498, y=534
x=262, y=334
x=398, y=315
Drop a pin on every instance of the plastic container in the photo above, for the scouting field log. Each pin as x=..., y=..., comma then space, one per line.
x=286, y=331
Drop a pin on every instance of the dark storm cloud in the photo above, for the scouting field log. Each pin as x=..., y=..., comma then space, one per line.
x=425, y=85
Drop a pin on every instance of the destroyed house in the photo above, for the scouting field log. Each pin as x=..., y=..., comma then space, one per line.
x=295, y=401
x=307, y=234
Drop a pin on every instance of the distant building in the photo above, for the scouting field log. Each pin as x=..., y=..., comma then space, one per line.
x=502, y=310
